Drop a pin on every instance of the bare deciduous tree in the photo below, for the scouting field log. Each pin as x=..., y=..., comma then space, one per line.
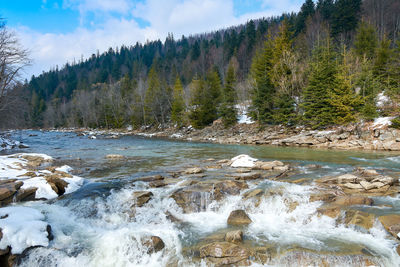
x=13, y=58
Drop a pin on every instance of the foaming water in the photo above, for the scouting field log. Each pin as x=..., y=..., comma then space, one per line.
x=99, y=226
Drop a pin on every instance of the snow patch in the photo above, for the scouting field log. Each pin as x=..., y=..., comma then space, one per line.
x=243, y=117
x=7, y=144
x=22, y=228
x=243, y=161
x=382, y=100
x=16, y=167
x=176, y=135
x=383, y=121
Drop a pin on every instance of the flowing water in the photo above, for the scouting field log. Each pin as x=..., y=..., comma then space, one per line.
x=96, y=226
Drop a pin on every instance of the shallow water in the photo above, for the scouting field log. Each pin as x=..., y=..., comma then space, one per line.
x=95, y=226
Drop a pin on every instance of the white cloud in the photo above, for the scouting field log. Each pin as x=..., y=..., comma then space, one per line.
x=176, y=16
x=49, y=50
x=119, y=6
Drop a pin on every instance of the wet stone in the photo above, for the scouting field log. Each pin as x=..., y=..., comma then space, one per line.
x=239, y=217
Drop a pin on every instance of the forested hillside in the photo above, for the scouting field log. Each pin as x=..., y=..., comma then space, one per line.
x=334, y=62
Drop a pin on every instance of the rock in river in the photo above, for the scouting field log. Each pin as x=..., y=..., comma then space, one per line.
x=239, y=217
x=142, y=197
x=225, y=253
x=154, y=244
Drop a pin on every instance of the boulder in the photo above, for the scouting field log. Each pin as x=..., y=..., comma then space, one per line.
x=234, y=236
x=225, y=253
x=57, y=184
x=27, y=194
x=391, y=223
x=332, y=211
x=115, y=157
x=197, y=197
x=353, y=186
x=267, y=165
x=229, y=187
x=368, y=186
x=195, y=170
x=253, y=193
x=157, y=184
x=142, y=197
x=359, y=218
x=239, y=217
x=153, y=244
x=150, y=178
x=247, y=176
x=353, y=200
x=194, y=198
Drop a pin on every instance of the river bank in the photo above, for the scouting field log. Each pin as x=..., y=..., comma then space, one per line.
x=368, y=136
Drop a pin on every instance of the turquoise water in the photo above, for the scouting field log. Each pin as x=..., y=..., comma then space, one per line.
x=94, y=225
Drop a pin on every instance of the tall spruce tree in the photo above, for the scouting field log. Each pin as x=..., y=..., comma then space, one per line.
x=283, y=56
x=178, y=104
x=307, y=10
x=366, y=41
x=228, y=110
x=344, y=101
x=263, y=87
x=322, y=81
x=206, y=101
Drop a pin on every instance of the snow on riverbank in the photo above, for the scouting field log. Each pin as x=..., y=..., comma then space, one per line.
x=22, y=228
x=382, y=122
x=243, y=117
x=23, y=167
x=7, y=144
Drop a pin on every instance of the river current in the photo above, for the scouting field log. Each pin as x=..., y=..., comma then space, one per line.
x=95, y=226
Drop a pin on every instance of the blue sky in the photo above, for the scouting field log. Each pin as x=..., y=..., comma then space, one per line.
x=57, y=31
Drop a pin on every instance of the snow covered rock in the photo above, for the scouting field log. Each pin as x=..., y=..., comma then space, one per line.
x=243, y=161
x=22, y=169
x=22, y=228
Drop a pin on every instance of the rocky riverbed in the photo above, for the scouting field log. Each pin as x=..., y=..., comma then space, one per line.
x=369, y=136
x=188, y=204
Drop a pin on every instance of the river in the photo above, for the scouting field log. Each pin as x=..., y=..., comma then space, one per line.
x=97, y=226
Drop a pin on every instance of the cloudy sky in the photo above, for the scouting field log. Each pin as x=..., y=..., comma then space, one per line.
x=57, y=31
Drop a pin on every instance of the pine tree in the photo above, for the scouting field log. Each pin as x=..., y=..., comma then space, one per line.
x=228, y=110
x=153, y=92
x=366, y=41
x=178, y=104
x=206, y=101
x=383, y=55
x=316, y=96
x=346, y=15
x=284, y=104
x=345, y=103
x=263, y=88
x=307, y=10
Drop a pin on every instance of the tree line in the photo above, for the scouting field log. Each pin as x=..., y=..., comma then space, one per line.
x=325, y=65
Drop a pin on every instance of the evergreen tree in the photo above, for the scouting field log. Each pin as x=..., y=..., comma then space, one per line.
x=383, y=55
x=346, y=15
x=151, y=101
x=366, y=41
x=345, y=103
x=178, y=104
x=263, y=88
x=316, y=96
x=325, y=8
x=228, y=110
x=284, y=104
x=307, y=10
x=206, y=100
